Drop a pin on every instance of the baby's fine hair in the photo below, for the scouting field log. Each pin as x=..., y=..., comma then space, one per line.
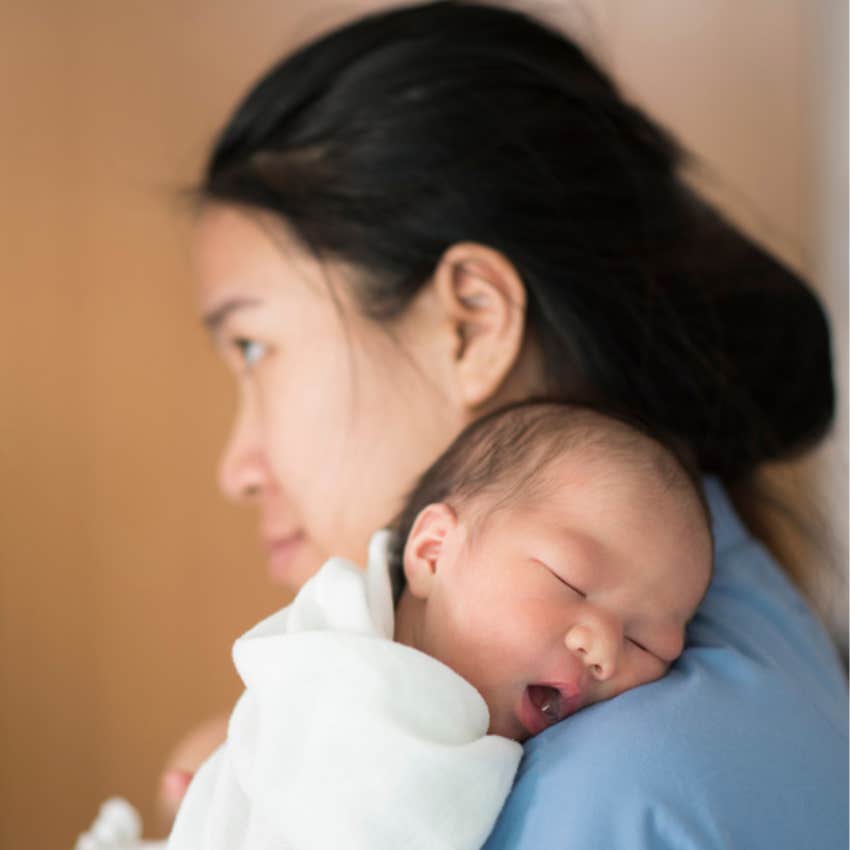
x=502, y=460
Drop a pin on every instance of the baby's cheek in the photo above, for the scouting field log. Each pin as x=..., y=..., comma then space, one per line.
x=653, y=669
x=643, y=672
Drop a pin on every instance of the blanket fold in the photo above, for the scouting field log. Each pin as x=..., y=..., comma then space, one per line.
x=345, y=739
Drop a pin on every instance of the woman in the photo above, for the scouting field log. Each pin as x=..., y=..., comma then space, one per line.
x=437, y=210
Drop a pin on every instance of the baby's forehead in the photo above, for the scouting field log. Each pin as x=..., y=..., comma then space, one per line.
x=639, y=491
x=635, y=464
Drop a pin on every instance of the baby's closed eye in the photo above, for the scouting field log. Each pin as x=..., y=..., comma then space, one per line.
x=560, y=577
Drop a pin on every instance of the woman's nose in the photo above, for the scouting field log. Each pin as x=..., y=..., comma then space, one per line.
x=242, y=471
x=597, y=644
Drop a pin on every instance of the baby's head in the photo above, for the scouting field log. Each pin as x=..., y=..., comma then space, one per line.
x=552, y=556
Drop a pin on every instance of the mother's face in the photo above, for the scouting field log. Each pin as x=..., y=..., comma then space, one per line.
x=335, y=418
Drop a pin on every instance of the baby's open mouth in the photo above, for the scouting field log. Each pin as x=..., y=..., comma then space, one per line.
x=547, y=700
x=542, y=706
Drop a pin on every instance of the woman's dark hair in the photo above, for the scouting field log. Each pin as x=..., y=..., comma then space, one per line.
x=406, y=131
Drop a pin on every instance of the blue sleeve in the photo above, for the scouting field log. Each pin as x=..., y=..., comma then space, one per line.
x=742, y=745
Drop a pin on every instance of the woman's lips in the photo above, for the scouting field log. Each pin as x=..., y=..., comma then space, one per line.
x=280, y=552
x=543, y=705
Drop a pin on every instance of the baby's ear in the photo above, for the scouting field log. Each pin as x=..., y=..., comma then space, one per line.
x=425, y=545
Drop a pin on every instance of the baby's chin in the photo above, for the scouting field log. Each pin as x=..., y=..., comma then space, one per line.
x=520, y=736
x=507, y=725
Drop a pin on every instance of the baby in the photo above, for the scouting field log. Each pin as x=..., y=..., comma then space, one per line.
x=550, y=558
x=553, y=557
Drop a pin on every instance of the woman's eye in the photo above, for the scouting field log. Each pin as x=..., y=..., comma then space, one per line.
x=250, y=351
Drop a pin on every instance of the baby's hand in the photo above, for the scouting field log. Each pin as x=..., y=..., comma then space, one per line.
x=182, y=764
x=173, y=785
x=116, y=827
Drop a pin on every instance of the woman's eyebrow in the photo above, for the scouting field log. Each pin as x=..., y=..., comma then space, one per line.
x=215, y=318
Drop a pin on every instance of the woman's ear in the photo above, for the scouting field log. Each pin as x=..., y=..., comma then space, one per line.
x=425, y=547
x=484, y=299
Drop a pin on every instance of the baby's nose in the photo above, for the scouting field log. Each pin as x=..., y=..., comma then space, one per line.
x=596, y=647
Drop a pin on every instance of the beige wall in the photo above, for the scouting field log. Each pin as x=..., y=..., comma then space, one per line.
x=124, y=576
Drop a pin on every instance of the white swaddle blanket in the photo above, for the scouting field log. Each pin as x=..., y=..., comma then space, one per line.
x=345, y=739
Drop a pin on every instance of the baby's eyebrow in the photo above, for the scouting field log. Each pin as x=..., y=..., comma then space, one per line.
x=215, y=318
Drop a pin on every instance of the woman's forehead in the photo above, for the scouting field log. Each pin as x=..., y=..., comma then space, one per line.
x=238, y=251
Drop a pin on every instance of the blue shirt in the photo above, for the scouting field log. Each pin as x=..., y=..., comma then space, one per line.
x=742, y=745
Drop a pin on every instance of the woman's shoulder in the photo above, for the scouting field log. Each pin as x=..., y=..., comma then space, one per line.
x=755, y=615
x=743, y=743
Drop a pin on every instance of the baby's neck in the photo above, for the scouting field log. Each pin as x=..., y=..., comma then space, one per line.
x=408, y=616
